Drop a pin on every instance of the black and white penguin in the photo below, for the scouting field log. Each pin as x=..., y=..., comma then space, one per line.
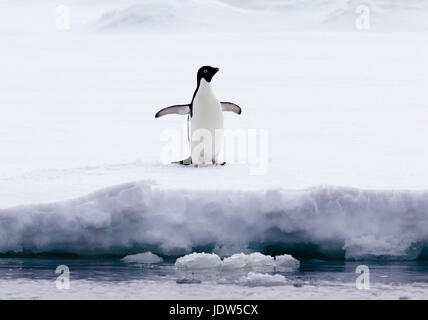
x=204, y=112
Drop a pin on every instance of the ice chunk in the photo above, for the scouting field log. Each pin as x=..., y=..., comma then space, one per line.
x=258, y=260
x=254, y=279
x=286, y=262
x=236, y=261
x=240, y=261
x=145, y=257
x=199, y=261
x=252, y=261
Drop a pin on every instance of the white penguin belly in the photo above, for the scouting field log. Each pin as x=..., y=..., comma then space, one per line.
x=207, y=119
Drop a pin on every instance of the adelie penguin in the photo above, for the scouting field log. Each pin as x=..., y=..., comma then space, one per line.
x=204, y=112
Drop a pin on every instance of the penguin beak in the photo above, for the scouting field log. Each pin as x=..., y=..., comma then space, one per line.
x=216, y=70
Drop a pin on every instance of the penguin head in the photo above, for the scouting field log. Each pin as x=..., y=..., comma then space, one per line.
x=207, y=73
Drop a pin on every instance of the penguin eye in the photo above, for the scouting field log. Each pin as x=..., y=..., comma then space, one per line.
x=205, y=71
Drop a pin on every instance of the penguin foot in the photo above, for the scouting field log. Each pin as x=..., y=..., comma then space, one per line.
x=185, y=162
x=219, y=163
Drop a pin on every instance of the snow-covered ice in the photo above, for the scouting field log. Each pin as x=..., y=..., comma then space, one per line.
x=253, y=279
x=243, y=261
x=197, y=261
x=286, y=262
x=238, y=261
x=327, y=222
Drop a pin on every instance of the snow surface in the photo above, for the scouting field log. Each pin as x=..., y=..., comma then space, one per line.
x=145, y=257
x=341, y=106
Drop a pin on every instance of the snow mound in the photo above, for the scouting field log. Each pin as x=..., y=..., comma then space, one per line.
x=253, y=279
x=199, y=261
x=145, y=257
x=239, y=16
x=322, y=222
x=160, y=15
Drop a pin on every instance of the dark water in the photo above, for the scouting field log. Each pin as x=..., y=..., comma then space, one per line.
x=112, y=270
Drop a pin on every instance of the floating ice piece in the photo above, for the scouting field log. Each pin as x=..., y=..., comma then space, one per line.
x=254, y=279
x=286, y=262
x=145, y=257
x=199, y=261
x=252, y=261
x=236, y=261
x=240, y=261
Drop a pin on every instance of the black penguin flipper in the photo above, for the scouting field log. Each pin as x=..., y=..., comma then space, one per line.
x=184, y=162
x=176, y=109
x=229, y=106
